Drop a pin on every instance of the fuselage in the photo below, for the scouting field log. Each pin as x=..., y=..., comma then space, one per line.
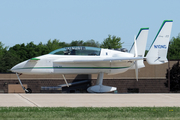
x=76, y=60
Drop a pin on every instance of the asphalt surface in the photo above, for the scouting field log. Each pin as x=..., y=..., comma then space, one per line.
x=89, y=100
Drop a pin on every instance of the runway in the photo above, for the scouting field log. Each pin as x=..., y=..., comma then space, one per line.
x=89, y=100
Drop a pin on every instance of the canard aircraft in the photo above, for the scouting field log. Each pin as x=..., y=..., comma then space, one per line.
x=91, y=60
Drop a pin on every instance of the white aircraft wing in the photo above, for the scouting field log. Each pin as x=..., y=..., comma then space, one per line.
x=97, y=59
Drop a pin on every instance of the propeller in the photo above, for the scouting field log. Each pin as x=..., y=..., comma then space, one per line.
x=136, y=55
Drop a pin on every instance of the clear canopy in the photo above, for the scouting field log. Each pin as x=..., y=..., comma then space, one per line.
x=77, y=50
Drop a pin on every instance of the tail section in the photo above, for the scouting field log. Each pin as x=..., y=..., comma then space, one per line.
x=158, y=50
x=141, y=40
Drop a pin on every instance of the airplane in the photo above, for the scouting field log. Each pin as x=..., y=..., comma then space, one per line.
x=92, y=60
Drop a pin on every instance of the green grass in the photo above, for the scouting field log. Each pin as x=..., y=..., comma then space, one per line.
x=90, y=113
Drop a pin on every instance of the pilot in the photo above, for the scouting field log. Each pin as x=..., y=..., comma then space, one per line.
x=66, y=52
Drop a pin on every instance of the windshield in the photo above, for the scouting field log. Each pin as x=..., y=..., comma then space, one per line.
x=77, y=50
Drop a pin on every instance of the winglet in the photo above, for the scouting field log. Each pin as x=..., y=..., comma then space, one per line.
x=141, y=40
x=159, y=47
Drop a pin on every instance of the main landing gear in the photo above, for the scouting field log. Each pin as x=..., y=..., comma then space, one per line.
x=28, y=90
x=99, y=88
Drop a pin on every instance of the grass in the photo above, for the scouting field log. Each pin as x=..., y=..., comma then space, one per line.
x=90, y=113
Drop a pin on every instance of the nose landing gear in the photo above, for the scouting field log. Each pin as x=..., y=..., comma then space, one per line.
x=28, y=90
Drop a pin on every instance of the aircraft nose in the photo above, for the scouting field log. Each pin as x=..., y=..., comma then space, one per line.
x=12, y=69
x=18, y=68
x=15, y=68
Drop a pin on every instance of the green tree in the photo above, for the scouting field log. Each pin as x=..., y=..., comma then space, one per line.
x=42, y=49
x=91, y=43
x=77, y=43
x=55, y=44
x=20, y=51
x=3, y=53
x=174, y=48
x=174, y=78
x=8, y=60
x=52, y=45
x=112, y=42
x=2, y=49
x=31, y=50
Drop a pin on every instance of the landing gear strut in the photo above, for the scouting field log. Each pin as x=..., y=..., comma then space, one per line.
x=99, y=88
x=28, y=90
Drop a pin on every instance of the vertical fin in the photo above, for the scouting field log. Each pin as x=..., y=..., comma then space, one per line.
x=141, y=40
x=158, y=50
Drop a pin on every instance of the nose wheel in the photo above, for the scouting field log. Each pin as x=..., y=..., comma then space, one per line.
x=28, y=90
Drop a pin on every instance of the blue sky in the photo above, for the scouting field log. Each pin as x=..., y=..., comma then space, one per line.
x=23, y=21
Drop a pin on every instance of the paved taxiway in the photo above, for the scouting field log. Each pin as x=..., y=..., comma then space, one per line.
x=89, y=100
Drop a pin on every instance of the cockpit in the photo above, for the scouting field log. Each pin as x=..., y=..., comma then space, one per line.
x=78, y=50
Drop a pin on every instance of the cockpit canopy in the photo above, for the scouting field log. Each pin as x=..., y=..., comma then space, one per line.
x=78, y=50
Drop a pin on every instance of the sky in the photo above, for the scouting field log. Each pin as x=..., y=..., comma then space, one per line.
x=23, y=21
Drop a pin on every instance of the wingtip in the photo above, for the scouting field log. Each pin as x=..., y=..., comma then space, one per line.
x=146, y=28
x=168, y=21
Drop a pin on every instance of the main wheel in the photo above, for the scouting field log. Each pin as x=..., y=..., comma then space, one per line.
x=28, y=90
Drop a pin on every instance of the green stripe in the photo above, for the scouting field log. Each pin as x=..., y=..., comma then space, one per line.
x=138, y=36
x=140, y=31
x=74, y=67
x=34, y=59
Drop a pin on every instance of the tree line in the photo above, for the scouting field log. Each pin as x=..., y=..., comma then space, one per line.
x=21, y=52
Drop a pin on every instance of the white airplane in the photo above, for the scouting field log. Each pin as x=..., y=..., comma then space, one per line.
x=91, y=60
